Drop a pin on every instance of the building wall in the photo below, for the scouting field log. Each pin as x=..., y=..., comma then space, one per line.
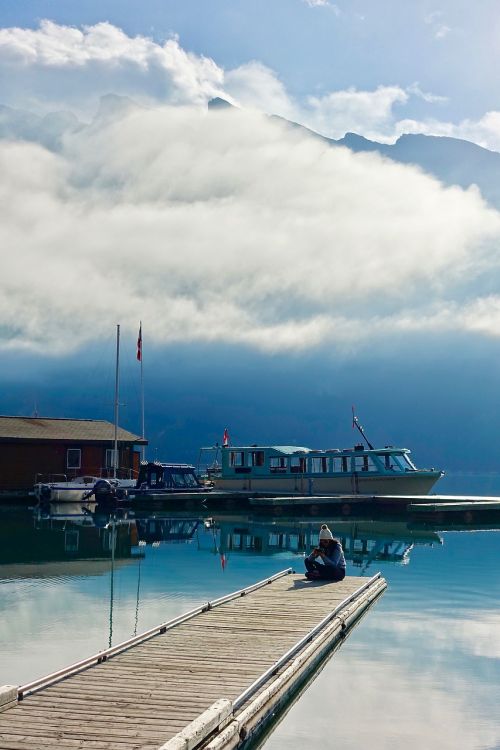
x=20, y=463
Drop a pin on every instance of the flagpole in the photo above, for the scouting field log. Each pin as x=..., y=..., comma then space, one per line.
x=142, y=397
x=117, y=383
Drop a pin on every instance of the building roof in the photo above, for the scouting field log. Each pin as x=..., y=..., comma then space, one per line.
x=78, y=430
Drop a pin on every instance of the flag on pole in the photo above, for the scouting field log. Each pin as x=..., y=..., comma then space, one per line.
x=139, y=344
x=225, y=438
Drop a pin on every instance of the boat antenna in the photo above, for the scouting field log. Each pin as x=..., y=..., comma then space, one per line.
x=356, y=424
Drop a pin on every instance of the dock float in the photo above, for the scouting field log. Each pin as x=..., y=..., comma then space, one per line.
x=211, y=678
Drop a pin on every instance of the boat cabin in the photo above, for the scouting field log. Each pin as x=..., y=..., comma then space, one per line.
x=263, y=461
x=154, y=475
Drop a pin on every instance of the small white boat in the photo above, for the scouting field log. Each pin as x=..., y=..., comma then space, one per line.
x=77, y=489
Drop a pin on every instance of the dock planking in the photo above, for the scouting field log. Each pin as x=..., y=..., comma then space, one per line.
x=149, y=692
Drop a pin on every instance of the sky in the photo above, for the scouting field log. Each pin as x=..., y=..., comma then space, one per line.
x=238, y=239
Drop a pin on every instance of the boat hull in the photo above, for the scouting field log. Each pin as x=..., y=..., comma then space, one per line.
x=412, y=483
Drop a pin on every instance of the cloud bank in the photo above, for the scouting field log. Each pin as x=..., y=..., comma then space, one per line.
x=228, y=226
x=222, y=225
x=56, y=66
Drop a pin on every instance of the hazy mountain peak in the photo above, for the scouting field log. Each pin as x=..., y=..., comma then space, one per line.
x=219, y=103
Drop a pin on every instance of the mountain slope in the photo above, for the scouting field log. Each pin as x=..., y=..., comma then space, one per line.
x=451, y=160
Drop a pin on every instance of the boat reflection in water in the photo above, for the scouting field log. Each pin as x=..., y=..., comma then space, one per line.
x=363, y=541
x=76, y=532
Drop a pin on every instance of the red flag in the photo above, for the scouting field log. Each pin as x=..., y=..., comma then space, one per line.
x=223, y=560
x=139, y=345
x=225, y=438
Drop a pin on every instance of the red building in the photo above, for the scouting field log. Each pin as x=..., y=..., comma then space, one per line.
x=35, y=448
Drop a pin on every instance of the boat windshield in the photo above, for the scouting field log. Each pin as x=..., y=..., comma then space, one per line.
x=183, y=479
x=396, y=462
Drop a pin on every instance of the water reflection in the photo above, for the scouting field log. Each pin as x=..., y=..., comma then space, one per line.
x=364, y=542
x=72, y=581
x=70, y=532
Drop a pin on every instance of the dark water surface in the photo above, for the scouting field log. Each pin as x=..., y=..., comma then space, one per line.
x=422, y=669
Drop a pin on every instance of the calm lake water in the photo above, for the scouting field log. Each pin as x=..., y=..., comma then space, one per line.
x=422, y=669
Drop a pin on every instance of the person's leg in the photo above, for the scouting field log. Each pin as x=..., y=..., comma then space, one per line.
x=332, y=574
x=312, y=567
x=311, y=564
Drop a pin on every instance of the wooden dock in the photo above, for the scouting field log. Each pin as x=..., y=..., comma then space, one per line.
x=210, y=678
x=347, y=504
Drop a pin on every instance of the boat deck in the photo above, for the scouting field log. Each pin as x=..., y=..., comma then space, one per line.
x=141, y=694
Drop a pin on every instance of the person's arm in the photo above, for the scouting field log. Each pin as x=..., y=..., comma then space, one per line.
x=336, y=555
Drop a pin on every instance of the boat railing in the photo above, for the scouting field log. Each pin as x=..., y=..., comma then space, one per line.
x=41, y=478
x=123, y=472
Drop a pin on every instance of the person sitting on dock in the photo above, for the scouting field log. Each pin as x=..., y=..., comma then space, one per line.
x=331, y=555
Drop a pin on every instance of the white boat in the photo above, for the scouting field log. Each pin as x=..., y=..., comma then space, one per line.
x=297, y=470
x=77, y=489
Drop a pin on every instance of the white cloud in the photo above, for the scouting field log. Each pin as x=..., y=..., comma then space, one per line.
x=57, y=65
x=439, y=29
x=323, y=4
x=370, y=112
x=255, y=86
x=229, y=226
x=426, y=96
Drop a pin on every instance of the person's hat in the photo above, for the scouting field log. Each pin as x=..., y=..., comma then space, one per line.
x=325, y=533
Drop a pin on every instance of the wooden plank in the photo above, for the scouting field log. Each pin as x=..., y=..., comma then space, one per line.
x=143, y=696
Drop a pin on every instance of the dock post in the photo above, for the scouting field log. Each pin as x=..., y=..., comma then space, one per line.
x=8, y=697
x=215, y=717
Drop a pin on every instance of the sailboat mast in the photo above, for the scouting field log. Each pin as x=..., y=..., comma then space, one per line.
x=117, y=385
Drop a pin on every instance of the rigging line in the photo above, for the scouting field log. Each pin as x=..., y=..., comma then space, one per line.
x=137, y=598
x=111, y=592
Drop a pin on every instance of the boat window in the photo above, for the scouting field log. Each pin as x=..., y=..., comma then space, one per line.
x=257, y=458
x=399, y=464
x=155, y=478
x=190, y=480
x=237, y=458
x=73, y=458
x=408, y=463
x=337, y=464
x=391, y=462
x=298, y=464
x=278, y=464
x=318, y=465
x=364, y=463
x=341, y=464
x=178, y=479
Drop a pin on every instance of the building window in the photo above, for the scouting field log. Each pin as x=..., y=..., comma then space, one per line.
x=110, y=458
x=73, y=458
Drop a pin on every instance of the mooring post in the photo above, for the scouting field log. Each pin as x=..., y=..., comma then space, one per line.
x=8, y=697
x=199, y=729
